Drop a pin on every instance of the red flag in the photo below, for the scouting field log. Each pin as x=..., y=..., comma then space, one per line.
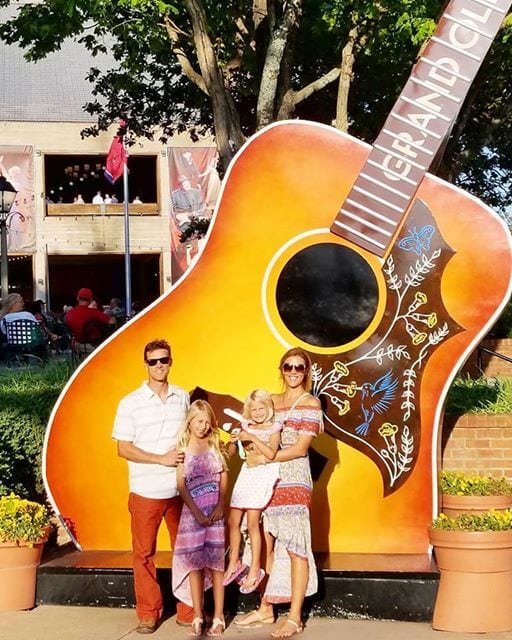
x=116, y=160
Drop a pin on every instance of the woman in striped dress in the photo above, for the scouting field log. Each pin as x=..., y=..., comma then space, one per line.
x=292, y=575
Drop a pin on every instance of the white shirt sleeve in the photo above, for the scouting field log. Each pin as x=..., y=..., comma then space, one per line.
x=124, y=425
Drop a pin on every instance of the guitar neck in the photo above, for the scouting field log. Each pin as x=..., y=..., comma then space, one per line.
x=419, y=122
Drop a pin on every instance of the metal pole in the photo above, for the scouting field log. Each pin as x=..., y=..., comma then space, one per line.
x=127, y=266
x=4, y=263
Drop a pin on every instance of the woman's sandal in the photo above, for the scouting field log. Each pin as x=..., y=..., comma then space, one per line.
x=248, y=586
x=258, y=622
x=196, y=628
x=216, y=623
x=299, y=628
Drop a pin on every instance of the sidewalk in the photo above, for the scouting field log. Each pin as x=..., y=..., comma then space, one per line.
x=93, y=623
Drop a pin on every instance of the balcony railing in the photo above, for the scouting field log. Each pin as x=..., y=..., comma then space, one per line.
x=87, y=209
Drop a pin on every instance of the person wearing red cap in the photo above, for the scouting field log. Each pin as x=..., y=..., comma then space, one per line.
x=87, y=325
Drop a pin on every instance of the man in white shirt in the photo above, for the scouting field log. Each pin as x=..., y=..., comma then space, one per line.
x=146, y=429
x=98, y=198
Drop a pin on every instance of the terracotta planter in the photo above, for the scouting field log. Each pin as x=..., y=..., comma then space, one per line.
x=452, y=506
x=18, y=568
x=475, y=588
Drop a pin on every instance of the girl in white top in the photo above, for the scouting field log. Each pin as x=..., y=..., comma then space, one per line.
x=254, y=486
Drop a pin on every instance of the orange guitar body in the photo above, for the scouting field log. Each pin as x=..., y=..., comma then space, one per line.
x=284, y=189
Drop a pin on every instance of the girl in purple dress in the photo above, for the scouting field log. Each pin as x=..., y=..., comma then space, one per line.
x=198, y=558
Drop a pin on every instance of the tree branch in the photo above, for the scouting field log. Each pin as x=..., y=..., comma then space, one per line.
x=174, y=33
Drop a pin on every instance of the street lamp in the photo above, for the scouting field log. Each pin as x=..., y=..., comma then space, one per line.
x=7, y=196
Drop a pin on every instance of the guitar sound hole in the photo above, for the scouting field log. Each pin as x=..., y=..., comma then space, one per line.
x=327, y=295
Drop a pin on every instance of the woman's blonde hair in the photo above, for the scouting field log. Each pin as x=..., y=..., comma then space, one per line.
x=8, y=303
x=214, y=442
x=258, y=395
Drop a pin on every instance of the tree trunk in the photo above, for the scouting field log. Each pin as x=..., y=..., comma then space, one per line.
x=347, y=65
x=266, y=106
x=228, y=131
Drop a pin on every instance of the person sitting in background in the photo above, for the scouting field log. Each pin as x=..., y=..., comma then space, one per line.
x=95, y=303
x=19, y=329
x=79, y=199
x=12, y=309
x=137, y=200
x=36, y=308
x=108, y=199
x=116, y=309
x=98, y=198
x=86, y=324
x=114, y=199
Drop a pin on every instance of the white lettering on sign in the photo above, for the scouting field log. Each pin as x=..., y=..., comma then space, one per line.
x=449, y=66
x=460, y=40
x=399, y=167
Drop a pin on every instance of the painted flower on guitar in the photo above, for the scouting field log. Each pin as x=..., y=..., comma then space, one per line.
x=419, y=338
x=399, y=460
x=388, y=429
x=343, y=406
x=429, y=319
x=341, y=368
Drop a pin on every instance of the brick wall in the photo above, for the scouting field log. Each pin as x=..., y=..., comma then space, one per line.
x=479, y=443
x=491, y=365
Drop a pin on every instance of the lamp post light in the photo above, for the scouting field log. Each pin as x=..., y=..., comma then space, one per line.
x=7, y=196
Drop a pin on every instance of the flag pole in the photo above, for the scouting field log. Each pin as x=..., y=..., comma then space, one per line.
x=127, y=265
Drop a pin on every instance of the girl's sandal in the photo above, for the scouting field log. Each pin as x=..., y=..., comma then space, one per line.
x=196, y=628
x=298, y=628
x=237, y=573
x=217, y=628
x=248, y=586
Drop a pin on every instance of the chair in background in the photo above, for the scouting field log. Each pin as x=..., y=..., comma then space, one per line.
x=25, y=341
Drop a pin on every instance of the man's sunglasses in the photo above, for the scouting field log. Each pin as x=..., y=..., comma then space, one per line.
x=153, y=361
x=299, y=368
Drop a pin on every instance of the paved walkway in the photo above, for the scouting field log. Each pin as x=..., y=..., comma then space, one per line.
x=95, y=623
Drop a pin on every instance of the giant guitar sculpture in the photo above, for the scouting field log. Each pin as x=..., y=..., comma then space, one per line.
x=386, y=275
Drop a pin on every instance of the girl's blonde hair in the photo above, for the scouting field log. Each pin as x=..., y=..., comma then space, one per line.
x=258, y=395
x=214, y=442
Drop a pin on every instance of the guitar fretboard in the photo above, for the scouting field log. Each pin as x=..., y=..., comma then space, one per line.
x=416, y=127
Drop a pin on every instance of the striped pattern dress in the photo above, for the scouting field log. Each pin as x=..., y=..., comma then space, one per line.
x=287, y=516
x=197, y=547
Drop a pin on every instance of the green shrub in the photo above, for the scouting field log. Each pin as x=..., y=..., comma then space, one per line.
x=484, y=395
x=503, y=326
x=27, y=397
x=458, y=483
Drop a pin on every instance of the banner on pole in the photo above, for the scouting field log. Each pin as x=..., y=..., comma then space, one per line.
x=17, y=166
x=195, y=186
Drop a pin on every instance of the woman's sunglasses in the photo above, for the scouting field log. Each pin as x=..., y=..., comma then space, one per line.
x=153, y=361
x=299, y=368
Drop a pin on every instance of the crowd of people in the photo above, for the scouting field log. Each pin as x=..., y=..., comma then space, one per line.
x=79, y=329
x=98, y=198
x=178, y=472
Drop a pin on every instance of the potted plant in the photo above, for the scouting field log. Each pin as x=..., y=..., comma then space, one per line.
x=24, y=528
x=474, y=556
x=472, y=493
